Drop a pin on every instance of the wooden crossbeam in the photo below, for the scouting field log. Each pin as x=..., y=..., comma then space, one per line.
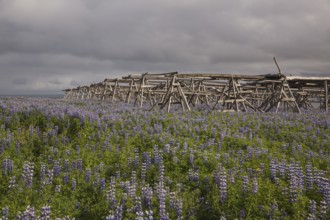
x=231, y=91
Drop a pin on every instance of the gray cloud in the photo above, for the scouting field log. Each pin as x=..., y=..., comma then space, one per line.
x=55, y=43
x=20, y=81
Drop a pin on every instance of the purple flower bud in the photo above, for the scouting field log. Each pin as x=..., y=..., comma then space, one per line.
x=223, y=186
x=57, y=168
x=102, y=184
x=12, y=182
x=27, y=175
x=73, y=184
x=245, y=184
x=79, y=165
x=66, y=179
x=309, y=176
x=45, y=213
x=147, y=194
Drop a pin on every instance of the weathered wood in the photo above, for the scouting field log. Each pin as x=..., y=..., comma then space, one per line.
x=231, y=91
x=219, y=76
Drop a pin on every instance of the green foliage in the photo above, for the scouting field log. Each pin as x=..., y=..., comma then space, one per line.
x=114, y=142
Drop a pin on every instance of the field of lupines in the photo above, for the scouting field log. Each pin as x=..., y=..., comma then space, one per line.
x=92, y=160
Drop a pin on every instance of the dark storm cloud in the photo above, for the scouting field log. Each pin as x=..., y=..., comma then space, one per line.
x=55, y=43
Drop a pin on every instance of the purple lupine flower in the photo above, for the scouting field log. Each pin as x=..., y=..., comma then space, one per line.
x=119, y=212
x=250, y=171
x=42, y=171
x=300, y=177
x=249, y=153
x=255, y=185
x=149, y=215
x=282, y=168
x=67, y=152
x=147, y=159
x=66, y=165
x=147, y=194
x=318, y=175
x=176, y=204
x=323, y=209
x=8, y=138
x=49, y=175
x=29, y=213
x=167, y=148
x=311, y=217
x=143, y=171
x=102, y=184
x=245, y=183
x=162, y=205
x=74, y=165
x=9, y=166
x=312, y=207
x=79, y=165
x=12, y=182
x=138, y=209
x=2, y=146
x=223, y=186
x=136, y=160
x=88, y=175
x=325, y=191
x=129, y=162
x=161, y=170
x=50, y=159
x=309, y=176
x=45, y=213
x=111, y=193
x=57, y=168
x=118, y=174
x=226, y=157
x=111, y=216
x=178, y=209
x=27, y=174
x=216, y=177
x=172, y=200
x=273, y=169
x=293, y=185
x=73, y=184
x=156, y=155
x=66, y=178
x=4, y=167
x=132, y=187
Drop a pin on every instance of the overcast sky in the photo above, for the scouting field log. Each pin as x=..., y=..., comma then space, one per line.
x=49, y=45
